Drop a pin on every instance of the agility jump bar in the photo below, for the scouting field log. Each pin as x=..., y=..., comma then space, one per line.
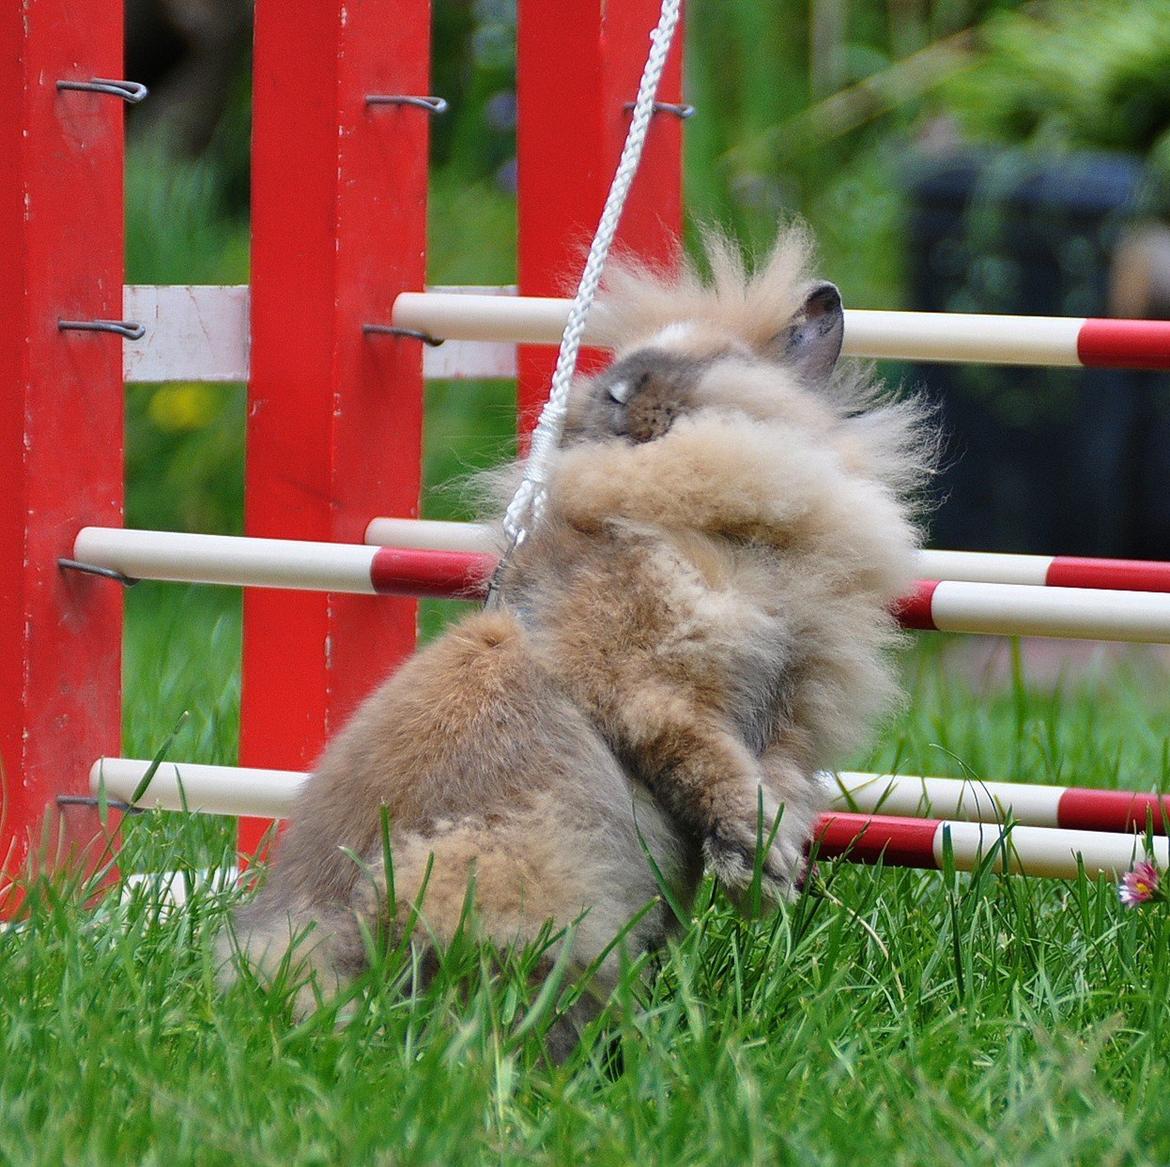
x=177, y=786
x=949, y=606
x=1030, y=804
x=235, y=790
x=1025, y=610
x=862, y=838
x=200, y=333
x=301, y=565
x=1039, y=851
x=1054, y=571
x=901, y=336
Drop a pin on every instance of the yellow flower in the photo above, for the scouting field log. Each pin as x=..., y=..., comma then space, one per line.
x=183, y=406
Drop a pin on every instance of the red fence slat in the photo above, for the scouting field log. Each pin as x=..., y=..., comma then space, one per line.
x=335, y=416
x=60, y=413
x=579, y=63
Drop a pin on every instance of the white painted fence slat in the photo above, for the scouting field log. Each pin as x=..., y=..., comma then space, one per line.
x=193, y=333
x=200, y=332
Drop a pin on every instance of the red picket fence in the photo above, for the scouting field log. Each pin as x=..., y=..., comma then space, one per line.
x=339, y=182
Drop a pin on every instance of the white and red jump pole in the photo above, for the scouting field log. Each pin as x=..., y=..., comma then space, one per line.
x=242, y=790
x=1039, y=851
x=341, y=569
x=1053, y=571
x=975, y=800
x=903, y=336
x=950, y=605
x=1098, y=831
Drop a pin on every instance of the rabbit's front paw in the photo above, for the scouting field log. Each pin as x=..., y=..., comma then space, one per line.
x=732, y=852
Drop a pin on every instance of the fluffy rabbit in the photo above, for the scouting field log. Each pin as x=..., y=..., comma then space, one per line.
x=699, y=623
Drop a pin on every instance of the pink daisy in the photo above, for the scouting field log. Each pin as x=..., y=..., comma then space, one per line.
x=1140, y=885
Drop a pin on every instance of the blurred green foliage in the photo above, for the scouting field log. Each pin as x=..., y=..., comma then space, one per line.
x=1082, y=73
x=806, y=109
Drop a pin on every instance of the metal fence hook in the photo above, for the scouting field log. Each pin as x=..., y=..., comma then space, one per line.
x=681, y=109
x=127, y=581
x=412, y=333
x=131, y=92
x=130, y=329
x=433, y=105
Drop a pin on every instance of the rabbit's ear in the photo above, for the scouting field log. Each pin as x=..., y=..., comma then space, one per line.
x=812, y=343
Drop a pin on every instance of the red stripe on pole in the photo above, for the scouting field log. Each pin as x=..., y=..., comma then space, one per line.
x=1125, y=344
x=914, y=609
x=408, y=571
x=1130, y=575
x=1113, y=810
x=901, y=842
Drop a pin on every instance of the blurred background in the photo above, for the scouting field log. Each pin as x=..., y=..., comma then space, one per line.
x=962, y=155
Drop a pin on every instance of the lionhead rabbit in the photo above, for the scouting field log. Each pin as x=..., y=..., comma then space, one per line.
x=700, y=621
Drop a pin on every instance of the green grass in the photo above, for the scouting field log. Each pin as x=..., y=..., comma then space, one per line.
x=905, y=1017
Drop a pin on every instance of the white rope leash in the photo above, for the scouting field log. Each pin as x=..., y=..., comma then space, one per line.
x=527, y=504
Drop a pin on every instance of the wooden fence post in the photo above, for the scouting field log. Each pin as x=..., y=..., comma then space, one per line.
x=334, y=414
x=61, y=237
